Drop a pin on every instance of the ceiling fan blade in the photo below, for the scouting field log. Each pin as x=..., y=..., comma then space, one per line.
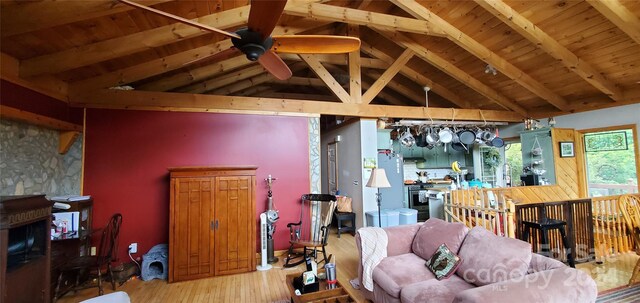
x=274, y=65
x=315, y=44
x=264, y=15
x=180, y=19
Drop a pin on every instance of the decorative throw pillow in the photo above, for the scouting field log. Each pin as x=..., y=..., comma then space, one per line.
x=443, y=263
x=435, y=231
x=344, y=204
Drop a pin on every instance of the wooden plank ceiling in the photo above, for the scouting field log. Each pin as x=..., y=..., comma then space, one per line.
x=550, y=57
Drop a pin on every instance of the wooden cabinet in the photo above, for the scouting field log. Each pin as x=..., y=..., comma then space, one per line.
x=25, y=249
x=212, y=228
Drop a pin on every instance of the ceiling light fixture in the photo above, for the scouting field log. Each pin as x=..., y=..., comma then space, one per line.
x=426, y=95
x=489, y=69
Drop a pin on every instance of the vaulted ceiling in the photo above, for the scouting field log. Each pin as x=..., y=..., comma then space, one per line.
x=550, y=57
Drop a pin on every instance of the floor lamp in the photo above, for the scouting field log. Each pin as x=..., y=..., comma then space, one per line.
x=377, y=180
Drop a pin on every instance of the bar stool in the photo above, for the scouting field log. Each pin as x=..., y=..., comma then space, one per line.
x=343, y=216
x=545, y=224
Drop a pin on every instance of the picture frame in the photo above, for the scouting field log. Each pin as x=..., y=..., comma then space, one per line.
x=369, y=163
x=567, y=149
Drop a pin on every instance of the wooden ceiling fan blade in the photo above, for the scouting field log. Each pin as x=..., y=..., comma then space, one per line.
x=315, y=44
x=264, y=15
x=274, y=65
x=180, y=19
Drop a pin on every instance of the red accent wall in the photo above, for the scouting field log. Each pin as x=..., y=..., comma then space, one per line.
x=127, y=154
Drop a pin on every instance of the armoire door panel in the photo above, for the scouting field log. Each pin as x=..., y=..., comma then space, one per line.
x=193, y=213
x=233, y=201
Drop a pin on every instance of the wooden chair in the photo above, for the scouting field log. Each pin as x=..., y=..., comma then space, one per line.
x=95, y=264
x=312, y=231
x=630, y=208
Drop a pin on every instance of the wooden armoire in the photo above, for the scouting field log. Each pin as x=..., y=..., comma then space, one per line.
x=212, y=221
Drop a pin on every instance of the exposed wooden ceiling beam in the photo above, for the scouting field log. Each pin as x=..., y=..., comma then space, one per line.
x=619, y=15
x=453, y=71
x=391, y=72
x=282, y=95
x=196, y=74
x=539, y=37
x=366, y=84
x=360, y=17
x=121, y=46
x=224, y=80
x=253, y=81
x=300, y=81
x=120, y=99
x=251, y=91
x=328, y=79
x=340, y=59
x=355, y=67
x=398, y=87
x=417, y=77
x=482, y=52
x=46, y=85
x=243, y=84
x=172, y=62
x=28, y=16
x=389, y=98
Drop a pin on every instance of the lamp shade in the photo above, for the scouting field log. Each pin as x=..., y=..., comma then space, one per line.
x=378, y=178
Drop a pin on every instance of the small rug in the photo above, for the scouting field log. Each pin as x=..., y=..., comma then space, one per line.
x=622, y=294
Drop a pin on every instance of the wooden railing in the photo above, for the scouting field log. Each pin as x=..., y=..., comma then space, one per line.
x=613, y=189
x=610, y=231
x=481, y=207
x=495, y=209
x=577, y=215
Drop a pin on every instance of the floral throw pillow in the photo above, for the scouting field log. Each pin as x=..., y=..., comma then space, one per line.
x=443, y=263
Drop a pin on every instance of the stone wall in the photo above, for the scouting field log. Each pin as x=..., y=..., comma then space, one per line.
x=314, y=155
x=30, y=162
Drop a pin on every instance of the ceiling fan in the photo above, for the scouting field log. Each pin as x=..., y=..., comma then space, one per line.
x=256, y=42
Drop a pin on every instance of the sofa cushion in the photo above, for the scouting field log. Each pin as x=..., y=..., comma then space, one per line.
x=489, y=258
x=435, y=232
x=443, y=263
x=394, y=273
x=434, y=291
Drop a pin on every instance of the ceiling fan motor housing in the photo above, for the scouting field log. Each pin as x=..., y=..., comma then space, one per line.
x=251, y=44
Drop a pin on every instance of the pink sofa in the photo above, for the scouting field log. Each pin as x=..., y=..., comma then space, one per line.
x=494, y=269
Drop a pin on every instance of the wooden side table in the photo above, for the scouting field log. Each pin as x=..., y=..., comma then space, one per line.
x=324, y=295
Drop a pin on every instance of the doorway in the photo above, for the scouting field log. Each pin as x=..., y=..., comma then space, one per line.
x=611, y=158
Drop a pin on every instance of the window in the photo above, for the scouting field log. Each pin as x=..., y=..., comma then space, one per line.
x=513, y=159
x=611, y=162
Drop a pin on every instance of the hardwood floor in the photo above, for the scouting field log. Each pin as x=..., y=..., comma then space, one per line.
x=269, y=286
x=613, y=272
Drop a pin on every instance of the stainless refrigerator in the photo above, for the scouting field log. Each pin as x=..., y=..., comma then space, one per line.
x=392, y=197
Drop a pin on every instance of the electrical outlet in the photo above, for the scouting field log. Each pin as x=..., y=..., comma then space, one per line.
x=93, y=250
x=133, y=248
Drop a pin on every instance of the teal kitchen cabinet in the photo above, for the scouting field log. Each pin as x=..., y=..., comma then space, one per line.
x=384, y=139
x=413, y=152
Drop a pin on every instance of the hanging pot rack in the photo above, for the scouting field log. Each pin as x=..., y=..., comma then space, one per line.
x=443, y=122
